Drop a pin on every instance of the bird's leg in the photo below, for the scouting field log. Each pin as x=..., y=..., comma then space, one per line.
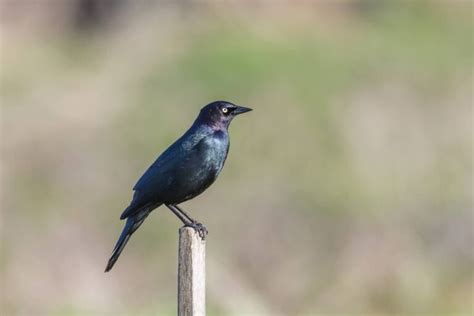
x=177, y=213
x=179, y=209
x=200, y=228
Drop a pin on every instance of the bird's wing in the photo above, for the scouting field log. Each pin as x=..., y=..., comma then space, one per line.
x=149, y=184
x=159, y=175
x=155, y=172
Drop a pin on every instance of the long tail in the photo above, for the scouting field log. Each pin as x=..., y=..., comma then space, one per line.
x=132, y=224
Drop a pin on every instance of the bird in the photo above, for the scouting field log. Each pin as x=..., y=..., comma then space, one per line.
x=183, y=171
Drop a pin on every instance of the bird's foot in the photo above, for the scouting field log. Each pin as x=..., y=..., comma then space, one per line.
x=199, y=228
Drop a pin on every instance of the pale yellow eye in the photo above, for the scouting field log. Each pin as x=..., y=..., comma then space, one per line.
x=225, y=110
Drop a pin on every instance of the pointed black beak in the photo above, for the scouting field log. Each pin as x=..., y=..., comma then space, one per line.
x=240, y=109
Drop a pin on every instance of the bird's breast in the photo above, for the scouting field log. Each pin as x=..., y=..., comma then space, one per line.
x=199, y=169
x=216, y=148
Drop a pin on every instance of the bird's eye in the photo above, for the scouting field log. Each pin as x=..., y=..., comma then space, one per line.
x=225, y=110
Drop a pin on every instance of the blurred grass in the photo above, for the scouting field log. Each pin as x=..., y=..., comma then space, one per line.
x=351, y=179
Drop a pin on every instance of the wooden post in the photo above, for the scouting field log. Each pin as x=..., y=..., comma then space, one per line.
x=191, y=273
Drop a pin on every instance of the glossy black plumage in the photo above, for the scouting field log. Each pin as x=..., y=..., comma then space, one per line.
x=184, y=170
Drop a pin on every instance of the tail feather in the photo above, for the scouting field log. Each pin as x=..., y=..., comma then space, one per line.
x=131, y=226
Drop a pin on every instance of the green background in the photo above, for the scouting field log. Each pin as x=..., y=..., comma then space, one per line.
x=347, y=191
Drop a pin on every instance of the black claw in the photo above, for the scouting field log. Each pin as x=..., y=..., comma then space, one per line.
x=199, y=228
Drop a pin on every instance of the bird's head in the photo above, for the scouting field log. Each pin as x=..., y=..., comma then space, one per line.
x=219, y=114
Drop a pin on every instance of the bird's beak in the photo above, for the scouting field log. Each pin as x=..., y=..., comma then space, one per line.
x=240, y=109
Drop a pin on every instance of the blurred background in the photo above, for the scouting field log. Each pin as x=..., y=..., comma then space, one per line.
x=347, y=191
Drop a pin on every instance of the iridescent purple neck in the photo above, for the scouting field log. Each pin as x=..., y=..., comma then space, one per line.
x=215, y=125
